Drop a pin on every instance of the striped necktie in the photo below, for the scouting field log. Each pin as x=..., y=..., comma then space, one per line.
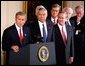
x=44, y=33
x=63, y=36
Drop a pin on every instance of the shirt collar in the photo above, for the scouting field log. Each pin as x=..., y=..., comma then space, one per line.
x=53, y=18
x=60, y=26
x=41, y=22
x=17, y=26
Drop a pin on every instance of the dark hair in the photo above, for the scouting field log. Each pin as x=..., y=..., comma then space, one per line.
x=55, y=5
x=62, y=12
x=79, y=6
x=20, y=13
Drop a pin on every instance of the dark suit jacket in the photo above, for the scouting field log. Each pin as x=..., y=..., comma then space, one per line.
x=72, y=23
x=79, y=40
x=51, y=21
x=63, y=52
x=10, y=37
x=35, y=32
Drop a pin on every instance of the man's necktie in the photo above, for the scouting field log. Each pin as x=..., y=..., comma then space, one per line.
x=54, y=22
x=63, y=36
x=44, y=34
x=20, y=36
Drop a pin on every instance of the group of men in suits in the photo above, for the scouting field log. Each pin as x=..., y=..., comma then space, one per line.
x=42, y=30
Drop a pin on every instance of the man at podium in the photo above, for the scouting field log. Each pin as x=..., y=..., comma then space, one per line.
x=15, y=36
x=42, y=35
x=41, y=28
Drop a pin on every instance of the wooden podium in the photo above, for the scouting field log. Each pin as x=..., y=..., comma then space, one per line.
x=34, y=54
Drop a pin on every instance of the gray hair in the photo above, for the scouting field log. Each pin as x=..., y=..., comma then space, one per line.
x=67, y=8
x=40, y=7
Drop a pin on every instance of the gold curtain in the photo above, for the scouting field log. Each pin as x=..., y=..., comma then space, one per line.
x=25, y=6
x=64, y=4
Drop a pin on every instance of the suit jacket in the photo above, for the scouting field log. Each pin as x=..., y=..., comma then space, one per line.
x=35, y=32
x=10, y=37
x=51, y=21
x=63, y=52
x=79, y=40
x=72, y=23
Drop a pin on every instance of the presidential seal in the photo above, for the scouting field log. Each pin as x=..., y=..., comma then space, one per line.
x=43, y=54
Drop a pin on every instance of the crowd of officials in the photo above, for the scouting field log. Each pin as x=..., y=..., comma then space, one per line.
x=66, y=31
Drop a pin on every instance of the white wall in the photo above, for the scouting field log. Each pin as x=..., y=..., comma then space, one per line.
x=8, y=11
x=73, y=4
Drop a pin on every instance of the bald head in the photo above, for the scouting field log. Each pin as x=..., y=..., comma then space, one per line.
x=68, y=9
x=69, y=12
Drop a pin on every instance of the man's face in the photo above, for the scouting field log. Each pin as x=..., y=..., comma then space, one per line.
x=79, y=12
x=42, y=15
x=68, y=13
x=61, y=18
x=54, y=12
x=20, y=20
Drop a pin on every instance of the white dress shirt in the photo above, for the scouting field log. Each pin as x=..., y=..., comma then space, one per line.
x=18, y=29
x=41, y=28
x=64, y=28
x=68, y=22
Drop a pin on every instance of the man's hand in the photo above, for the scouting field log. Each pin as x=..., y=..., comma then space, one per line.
x=15, y=48
x=78, y=18
x=70, y=60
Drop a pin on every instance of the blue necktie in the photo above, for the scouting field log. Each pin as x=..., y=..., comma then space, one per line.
x=44, y=33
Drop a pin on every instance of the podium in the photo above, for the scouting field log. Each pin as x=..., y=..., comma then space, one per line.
x=34, y=54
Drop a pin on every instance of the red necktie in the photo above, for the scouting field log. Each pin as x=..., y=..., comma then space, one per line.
x=21, y=37
x=64, y=36
x=54, y=22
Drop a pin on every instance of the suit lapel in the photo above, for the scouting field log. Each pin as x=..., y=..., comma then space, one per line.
x=59, y=33
x=47, y=30
x=24, y=34
x=38, y=30
x=68, y=32
x=49, y=27
x=15, y=32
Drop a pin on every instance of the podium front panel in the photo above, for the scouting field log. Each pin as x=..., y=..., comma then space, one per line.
x=29, y=55
x=34, y=49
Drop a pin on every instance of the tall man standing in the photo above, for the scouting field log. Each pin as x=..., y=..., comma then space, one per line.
x=54, y=13
x=41, y=28
x=79, y=35
x=63, y=40
x=16, y=35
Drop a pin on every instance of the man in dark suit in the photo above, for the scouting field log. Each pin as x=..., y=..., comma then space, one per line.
x=63, y=40
x=79, y=35
x=16, y=36
x=39, y=32
x=69, y=12
x=54, y=13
